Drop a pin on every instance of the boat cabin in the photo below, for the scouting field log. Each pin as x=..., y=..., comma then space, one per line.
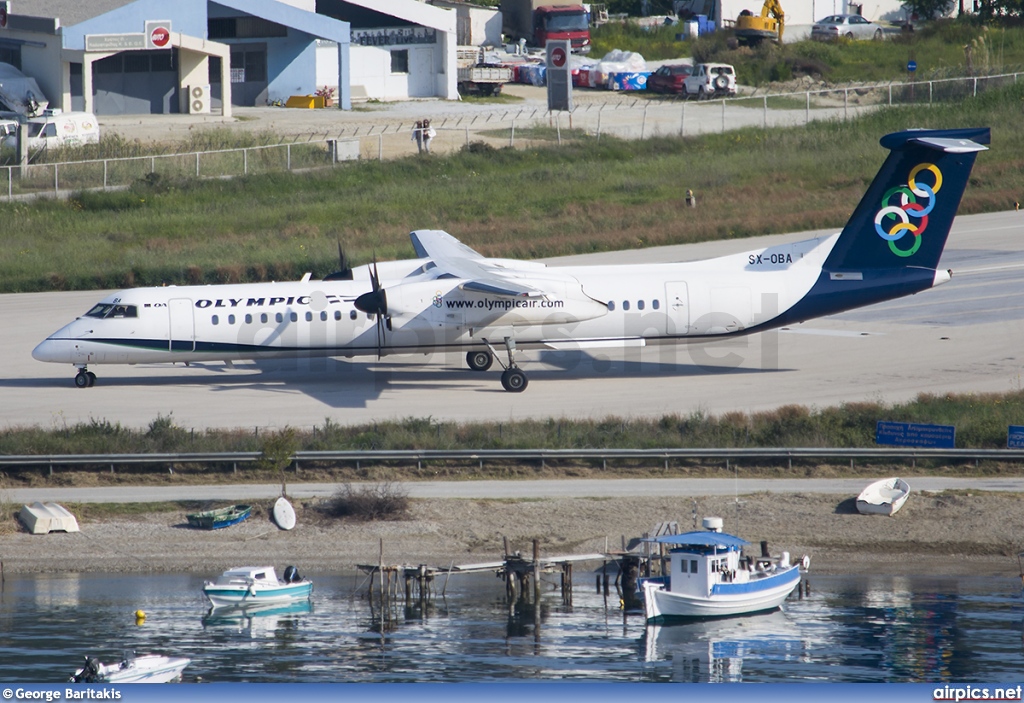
x=249, y=574
x=710, y=562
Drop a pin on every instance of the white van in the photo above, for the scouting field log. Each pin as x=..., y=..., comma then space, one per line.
x=55, y=129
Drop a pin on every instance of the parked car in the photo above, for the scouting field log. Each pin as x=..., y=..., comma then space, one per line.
x=849, y=26
x=710, y=80
x=669, y=78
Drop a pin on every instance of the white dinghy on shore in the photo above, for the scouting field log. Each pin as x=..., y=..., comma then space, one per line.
x=883, y=497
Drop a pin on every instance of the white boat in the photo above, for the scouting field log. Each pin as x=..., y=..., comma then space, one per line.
x=245, y=585
x=883, y=497
x=145, y=668
x=710, y=577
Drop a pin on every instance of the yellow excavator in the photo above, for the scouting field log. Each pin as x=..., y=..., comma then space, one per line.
x=753, y=29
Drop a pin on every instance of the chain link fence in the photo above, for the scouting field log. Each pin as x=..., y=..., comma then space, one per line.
x=642, y=117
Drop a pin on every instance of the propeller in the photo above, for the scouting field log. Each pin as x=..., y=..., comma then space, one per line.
x=375, y=303
x=344, y=272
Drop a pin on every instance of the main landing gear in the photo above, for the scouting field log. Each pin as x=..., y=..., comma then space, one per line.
x=84, y=378
x=479, y=360
x=513, y=379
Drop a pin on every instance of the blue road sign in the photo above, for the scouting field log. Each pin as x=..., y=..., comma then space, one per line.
x=1015, y=437
x=911, y=65
x=909, y=434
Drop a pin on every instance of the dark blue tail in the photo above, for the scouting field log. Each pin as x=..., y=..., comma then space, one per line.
x=905, y=216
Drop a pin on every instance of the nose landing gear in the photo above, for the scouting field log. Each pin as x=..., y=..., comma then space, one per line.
x=84, y=378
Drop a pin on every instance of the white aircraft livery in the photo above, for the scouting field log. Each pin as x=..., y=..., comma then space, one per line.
x=453, y=299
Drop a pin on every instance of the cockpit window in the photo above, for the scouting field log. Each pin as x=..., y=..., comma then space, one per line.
x=106, y=311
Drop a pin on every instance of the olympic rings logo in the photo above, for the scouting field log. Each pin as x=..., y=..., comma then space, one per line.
x=892, y=222
x=437, y=299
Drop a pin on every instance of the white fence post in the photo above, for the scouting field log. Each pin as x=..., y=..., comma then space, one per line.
x=643, y=125
x=512, y=134
x=104, y=174
x=723, y=115
x=807, y=110
x=56, y=184
x=288, y=149
x=764, y=124
x=245, y=162
x=197, y=164
x=682, y=119
x=380, y=146
x=600, y=110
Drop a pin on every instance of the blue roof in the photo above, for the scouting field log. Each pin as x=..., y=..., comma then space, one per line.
x=701, y=539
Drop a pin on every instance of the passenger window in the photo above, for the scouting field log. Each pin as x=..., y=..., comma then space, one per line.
x=231, y=319
x=215, y=320
x=337, y=314
x=639, y=305
x=693, y=566
x=625, y=305
x=611, y=305
x=263, y=317
x=309, y=317
x=323, y=316
x=248, y=319
x=294, y=317
x=279, y=317
x=655, y=304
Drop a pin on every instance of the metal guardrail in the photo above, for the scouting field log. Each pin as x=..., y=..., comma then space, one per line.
x=419, y=456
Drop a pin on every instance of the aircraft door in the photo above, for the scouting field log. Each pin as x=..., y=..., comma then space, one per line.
x=677, y=303
x=182, y=337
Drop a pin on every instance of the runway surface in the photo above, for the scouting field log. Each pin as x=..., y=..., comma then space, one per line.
x=964, y=336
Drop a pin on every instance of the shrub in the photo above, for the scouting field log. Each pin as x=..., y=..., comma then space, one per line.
x=385, y=501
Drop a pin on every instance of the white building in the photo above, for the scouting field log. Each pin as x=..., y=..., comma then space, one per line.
x=154, y=57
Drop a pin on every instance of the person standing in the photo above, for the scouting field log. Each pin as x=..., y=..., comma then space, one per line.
x=417, y=135
x=428, y=135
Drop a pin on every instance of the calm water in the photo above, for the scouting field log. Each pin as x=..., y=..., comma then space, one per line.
x=849, y=629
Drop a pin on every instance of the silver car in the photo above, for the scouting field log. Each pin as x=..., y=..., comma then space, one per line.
x=849, y=26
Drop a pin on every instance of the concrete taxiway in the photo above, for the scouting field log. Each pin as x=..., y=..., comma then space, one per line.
x=964, y=336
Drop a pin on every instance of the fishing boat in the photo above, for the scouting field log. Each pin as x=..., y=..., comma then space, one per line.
x=883, y=497
x=221, y=517
x=245, y=585
x=709, y=576
x=133, y=668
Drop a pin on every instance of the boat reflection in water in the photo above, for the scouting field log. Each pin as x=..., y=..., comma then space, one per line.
x=258, y=620
x=714, y=651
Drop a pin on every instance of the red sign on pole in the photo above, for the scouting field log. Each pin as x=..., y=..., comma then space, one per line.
x=3, y=14
x=558, y=57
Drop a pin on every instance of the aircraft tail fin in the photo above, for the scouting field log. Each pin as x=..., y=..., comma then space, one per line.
x=905, y=216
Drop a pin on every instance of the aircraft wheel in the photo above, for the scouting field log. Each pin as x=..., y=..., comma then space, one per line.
x=92, y=378
x=479, y=360
x=82, y=379
x=513, y=380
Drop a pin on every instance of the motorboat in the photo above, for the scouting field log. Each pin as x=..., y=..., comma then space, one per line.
x=883, y=497
x=244, y=585
x=133, y=668
x=709, y=576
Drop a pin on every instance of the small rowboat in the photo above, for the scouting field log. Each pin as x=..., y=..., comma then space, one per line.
x=883, y=497
x=222, y=517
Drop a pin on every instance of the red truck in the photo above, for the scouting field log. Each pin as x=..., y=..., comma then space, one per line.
x=537, y=21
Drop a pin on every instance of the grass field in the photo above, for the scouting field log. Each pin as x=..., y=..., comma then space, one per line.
x=582, y=197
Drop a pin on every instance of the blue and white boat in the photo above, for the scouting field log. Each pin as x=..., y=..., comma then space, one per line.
x=245, y=585
x=709, y=576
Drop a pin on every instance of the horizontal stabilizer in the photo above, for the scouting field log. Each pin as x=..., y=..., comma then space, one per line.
x=951, y=146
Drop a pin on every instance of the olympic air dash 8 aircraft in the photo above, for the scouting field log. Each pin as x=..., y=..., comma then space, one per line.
x=452, y=298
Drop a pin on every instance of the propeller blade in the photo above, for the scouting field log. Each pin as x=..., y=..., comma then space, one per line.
x=344, y=272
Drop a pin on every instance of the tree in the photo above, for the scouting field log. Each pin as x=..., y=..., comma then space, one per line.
x=929, y=9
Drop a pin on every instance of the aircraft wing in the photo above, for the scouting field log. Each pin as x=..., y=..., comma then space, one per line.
x=454, y=259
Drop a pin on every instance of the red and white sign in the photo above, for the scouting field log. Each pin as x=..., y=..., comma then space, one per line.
x=160, y=36
x=558, y=57
x=5, y=8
